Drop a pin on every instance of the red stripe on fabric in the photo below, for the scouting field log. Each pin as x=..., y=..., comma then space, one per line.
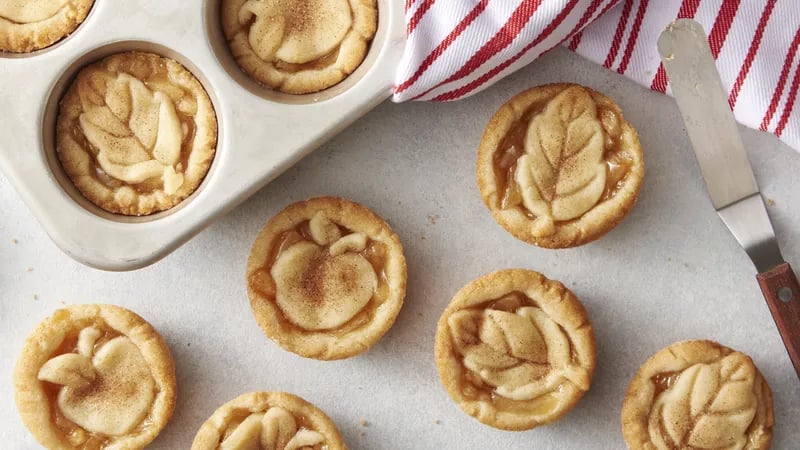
x=787, y=110
x=502, y=39
x=408, y=4
x=751, y=53
x=687, y=10
x=577, y=31
x=776, y=96
x=631, y=45
x=590, y=12
x=440, y=49
x=660, y=80
x=575, y=41
x=623, y=21
x=722, y=24
x=554, y=24
x=418, y=14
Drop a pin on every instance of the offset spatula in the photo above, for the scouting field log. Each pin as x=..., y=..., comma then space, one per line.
x=723, y=161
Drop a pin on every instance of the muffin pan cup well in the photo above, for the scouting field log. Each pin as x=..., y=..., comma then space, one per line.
x=261, y=133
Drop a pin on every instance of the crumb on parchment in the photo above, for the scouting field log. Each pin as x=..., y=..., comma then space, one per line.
x=364, y=422
x=770, y=202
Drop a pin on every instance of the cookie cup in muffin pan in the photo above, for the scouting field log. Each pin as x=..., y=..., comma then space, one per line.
x=260, y=132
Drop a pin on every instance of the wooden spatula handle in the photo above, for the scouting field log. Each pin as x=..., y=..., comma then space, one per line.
x=782, y=292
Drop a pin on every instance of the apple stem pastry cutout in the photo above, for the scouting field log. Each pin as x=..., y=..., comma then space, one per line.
x=268, y=421
x=95, y=376
x=136, y=133
x=29, y=25
x=326, y=278
x=559, y=166
x=699, y=395
x=299, y=46
x=515, y=350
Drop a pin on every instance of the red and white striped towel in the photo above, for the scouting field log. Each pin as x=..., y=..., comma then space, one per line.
x=459, y=47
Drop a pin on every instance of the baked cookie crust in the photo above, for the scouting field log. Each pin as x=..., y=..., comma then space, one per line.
x=102, y=366
x=515, y=350
x=299, y=46
x=559, y=166
x=326, y=278
x=698, y=394
x=136, y=133
x=268, y=420
x=27, y=26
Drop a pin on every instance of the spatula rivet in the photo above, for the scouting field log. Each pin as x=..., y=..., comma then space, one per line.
x=785, y=294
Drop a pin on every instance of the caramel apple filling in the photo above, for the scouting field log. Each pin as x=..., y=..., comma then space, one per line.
x=560, y=159
x=324, y=277
x=99, y=386
x=514, y=355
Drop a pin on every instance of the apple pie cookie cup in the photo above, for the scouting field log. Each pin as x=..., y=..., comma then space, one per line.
x=515, y=350
x=269, y=421
x=700, y=395
x=136, y=133
x=27, y=26
x=326, y=278
x=559, y=166
x=299, y=46
x=95, y=376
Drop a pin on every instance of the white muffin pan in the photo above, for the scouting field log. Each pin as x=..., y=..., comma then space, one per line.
x=261, y=132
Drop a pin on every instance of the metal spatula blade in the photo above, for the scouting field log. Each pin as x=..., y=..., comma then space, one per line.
x=712, y=129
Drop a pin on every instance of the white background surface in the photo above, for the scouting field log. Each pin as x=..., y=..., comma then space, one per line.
x=670, y=271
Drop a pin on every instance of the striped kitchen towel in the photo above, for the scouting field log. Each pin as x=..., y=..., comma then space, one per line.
x=457, y=48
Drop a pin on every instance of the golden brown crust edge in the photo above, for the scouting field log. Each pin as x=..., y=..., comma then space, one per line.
x=319, y=345
x=211, y=431
x=638, y=397
x=29, y=37
x=29, y=395
x=592, y=225
x=495, y=285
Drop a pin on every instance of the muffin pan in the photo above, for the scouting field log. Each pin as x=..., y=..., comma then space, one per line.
x=261, y=132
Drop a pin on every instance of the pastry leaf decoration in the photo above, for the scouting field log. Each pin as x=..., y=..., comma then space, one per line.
x=30, y=11
x=522, y=354
x=136, y=131
x=323, y=282
x=274, y=430
x=295, y=31
x=106, y=388
x=708, y=406
x=562, y=174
